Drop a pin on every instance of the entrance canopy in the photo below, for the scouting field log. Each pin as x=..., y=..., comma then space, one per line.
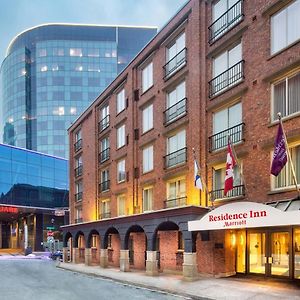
x=245, y=215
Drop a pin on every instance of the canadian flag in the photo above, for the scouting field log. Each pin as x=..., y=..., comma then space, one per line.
x=230, y=164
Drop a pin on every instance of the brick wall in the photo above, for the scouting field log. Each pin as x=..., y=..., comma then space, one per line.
x=139, y=248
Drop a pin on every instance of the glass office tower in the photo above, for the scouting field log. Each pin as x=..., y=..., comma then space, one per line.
x=51, y=73
x=34, y=192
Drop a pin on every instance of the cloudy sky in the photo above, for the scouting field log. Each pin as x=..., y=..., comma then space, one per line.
x=19, y=15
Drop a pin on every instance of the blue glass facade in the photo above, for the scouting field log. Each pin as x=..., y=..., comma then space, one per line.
x=32, y=179
x=53, y=72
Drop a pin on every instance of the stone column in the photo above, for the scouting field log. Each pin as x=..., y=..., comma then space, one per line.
x=75, y=255
x=151, y=263
x=190, y=268
x=88, y=256
x=103, y=258
x=65, y=254
x=124, y=260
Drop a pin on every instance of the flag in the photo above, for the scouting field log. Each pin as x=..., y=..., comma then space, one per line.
x=280, y=152
x=230, y=164
x=198, y=182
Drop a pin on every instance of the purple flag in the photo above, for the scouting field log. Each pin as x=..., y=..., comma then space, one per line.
x=280, y=154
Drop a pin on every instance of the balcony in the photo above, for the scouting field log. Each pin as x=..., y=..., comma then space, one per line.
x=220, y=139
x=176, y=202
x=104, y=155
x=79, y=220
x=226, y=21
x=105, y=215
x=104, y=186
x=226, y=79
x=176, y=158
x=175, y=111
x=175, y=63
x=78, y=145
x=238, y=190
x=103, y=124
x=78, y=171
x=78, y=196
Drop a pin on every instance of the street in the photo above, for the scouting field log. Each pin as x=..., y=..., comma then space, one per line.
x=36, y=279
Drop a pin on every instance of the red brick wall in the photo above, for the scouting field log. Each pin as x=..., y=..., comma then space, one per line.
x=115, y=251
x=139, y=248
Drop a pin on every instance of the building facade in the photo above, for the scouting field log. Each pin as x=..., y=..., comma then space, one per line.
x=52, y=72
x=34, y=191
x=217, y=69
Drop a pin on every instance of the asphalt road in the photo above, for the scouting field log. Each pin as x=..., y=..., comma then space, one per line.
x=41, y=280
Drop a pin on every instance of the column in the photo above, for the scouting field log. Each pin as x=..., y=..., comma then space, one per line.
x=190, y=267
x=124, y=260
x=65, y=254
x=75, y=255
x=103, y=258
x=88, y=256
x=151, y=263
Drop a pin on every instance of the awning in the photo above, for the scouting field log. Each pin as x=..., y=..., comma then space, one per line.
x=245, y=215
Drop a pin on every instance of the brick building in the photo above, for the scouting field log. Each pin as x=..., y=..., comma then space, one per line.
x=217, y=68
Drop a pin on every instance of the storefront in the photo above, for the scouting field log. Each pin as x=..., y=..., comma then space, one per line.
x=265, y=238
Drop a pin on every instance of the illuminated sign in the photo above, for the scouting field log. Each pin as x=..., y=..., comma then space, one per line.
x=8, y=209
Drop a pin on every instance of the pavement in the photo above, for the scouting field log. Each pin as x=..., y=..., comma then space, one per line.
x=16, y=254
x=204, y=288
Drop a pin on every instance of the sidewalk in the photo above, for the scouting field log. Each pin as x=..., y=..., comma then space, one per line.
x=204, y=288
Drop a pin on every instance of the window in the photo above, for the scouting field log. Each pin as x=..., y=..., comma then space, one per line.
x=176, y=103
x=78, y=166
x=78, y=141
x=105, y=182
x=93, y=52
x=225, y=15
x=147, y=159
x=42, y=52
x=147, y=118
x=121, y=200
x=285, y=27
x=175, y=55
x=147, y=77
x=78, y=214
x=286, y=96
x=105, y=209
x=285, y=178
x=226, y=122
x=78, y=190
x=227, y=69
x=121, y=171
x=104, y=118
x=76, y=52
x=121, y=136
x=176, y=149
x=147, y=199
x=176, y=192
x=104, y=149
x=121, y=101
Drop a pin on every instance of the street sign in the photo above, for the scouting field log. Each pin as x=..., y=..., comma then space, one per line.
x=59, y=212
x=50, y=227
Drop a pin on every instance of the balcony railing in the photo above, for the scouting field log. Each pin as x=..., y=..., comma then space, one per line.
x=226, y=79
x=238, y=190
x=79, y=220
x=175, y=63
x=104, y=186
x=78, y=145
x=78, y=196
x=105, y=215
x=103, y=124
x=176, y=158
x=220, y=139
x=78, y=171
x=104, y=155
x=226, y=21
x=175, y=111
x=176, y=202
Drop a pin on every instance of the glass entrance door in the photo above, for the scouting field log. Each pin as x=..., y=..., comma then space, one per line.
x=279, y=261
x=257, y=252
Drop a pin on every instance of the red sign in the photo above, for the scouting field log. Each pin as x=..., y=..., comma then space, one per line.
x=50, y=233
x=8, y=209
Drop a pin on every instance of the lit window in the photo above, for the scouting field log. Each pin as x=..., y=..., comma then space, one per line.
x=22, y=72
x=147, y=118
x=120, y=101
x=75, y=52
x=114, y=53
x=147, y=199
x=147, y=77
x=148, y=159
x=55, y=67
x=60, y=111
x=44, y=68
x=121, y=136
x=121, y=171
x=176, y=149
x=285, y=27
x=105, y=209
x=121, y=200
x=73, y=110
x=79, y=68
x=176, y=192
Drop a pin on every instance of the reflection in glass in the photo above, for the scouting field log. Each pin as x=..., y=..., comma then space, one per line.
x=241, y=251
x=297, y=252
x=280, y=253
x=257, y=252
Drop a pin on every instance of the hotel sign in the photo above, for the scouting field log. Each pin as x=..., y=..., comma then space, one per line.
x=244, y=215
x=9, y=209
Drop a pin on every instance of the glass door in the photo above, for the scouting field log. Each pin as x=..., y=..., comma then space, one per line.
x=257, y=252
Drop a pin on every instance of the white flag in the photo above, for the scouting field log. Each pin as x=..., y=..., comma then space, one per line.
x=198, y=183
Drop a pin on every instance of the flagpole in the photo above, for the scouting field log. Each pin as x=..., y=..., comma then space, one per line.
x=202, y=181
x=237, y=162
x=289, y=156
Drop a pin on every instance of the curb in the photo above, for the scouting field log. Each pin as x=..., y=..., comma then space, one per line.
x=136, y=284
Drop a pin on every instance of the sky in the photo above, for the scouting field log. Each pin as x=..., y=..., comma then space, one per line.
x=19, y=15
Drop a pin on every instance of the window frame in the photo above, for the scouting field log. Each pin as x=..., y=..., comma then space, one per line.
x=119, y=170
x=147, y=166
x=121, y=136
x=147, y=77
x=150, y=205
x=121, y=101
x=147, y=111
